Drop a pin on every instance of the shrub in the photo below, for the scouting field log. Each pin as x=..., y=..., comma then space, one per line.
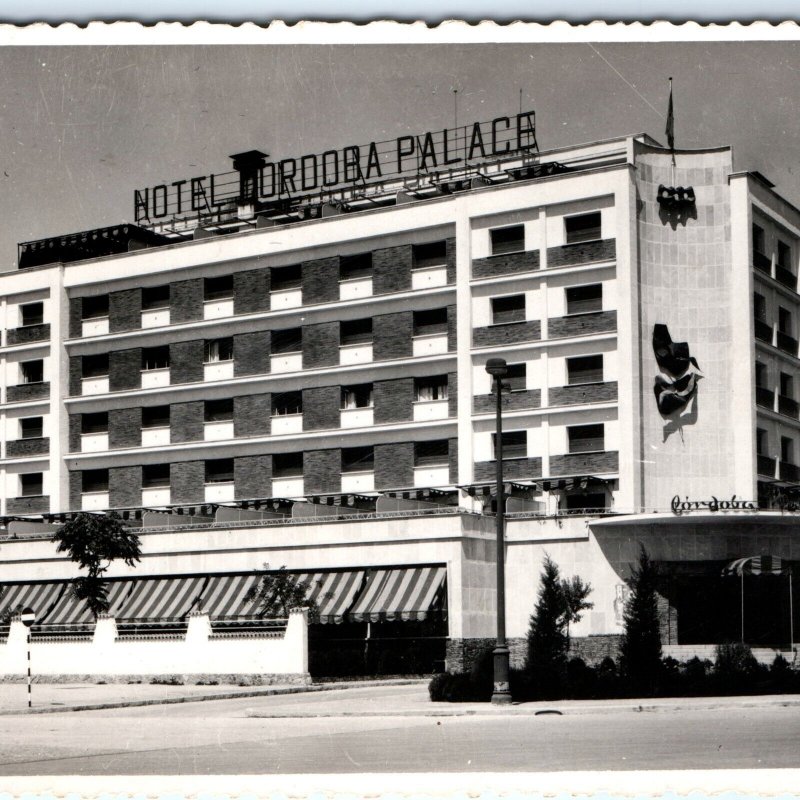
x=581, y=679
x=735, y=658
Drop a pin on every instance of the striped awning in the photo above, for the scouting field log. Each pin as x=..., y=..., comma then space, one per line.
x=160, y=598
x=399, y=594
x=225, y=596
x=71, y=611
x=41, y=597
x=755, y=565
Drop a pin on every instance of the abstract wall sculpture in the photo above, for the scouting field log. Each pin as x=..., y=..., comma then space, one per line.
x=677, y=383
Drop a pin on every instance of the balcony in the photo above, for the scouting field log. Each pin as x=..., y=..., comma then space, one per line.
x=517, y=400
x=27, y=391
x=155, y=317
x=433, y=475
x=582, y=324
x=575, y=253
x=505, y=264
x=787, y=343
x=354, y=288
x=286, y=298
x=786, y=277
x=762, y=262
x=765, y=398
x=94, y=501
x=154, y=378
x=580, y=393
x=765, y=465
x=286, y=362
x=763, y=331
x=282, y=424
x=94, y=442
x=218, y=370
x=156, y=496
x=429, y=277
x=28, y=334
x=97, y=326
x=219, y=492
x=584, y=463
x=429, y=344
x=218, y=309
x=20, y=448
x=218, y=431
x=156, y=436
x=788, y=472
x=430, y=409
x=360, y=353
x=287, y=486
x=358, y=481
x=507, y=333
x=356, y=417
x=94, y=385
x=28, y=504
x=788, y=406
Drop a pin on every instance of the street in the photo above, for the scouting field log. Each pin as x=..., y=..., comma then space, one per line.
x=267, y=735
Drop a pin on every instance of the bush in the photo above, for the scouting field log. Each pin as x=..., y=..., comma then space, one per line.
x=581, y=679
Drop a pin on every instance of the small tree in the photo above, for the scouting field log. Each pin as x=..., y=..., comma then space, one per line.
x=279, y=593
x=93, y=541
x=640, y=651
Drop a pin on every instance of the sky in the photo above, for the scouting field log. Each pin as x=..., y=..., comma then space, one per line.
x=82, y=127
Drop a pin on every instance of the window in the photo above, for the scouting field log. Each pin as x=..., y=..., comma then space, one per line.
x=282, y=279
x=759, y=240
x=357, y=266
x=358, y=459
x=287, y=403
x=582, y=228
x=433, y=388
x=430, y=322
x=787, y=385
x=761, y=441
x=759, y=306
x=430, y=454
x=515, y=444
x=154, y=297
x=31, y=484
x=289, y=340
x=784, y=320
x=31, y=314
x=155, y=476
x=508, y=309
x=508, y=240
x=784, y=256
x=94, y=307
x=590, y=501
x=585, y=369
x=355, y=331
x=761, y=374
x=219, y=288
x=517, y=377
x=155, y=357
x=218, y=350
x=94, y=423
x=32, y=371
x=586, y=438
x=94, y=480
x=430, y=254
x=155, y=417
x=219, y=470
x=31, y=428
x=95, y=366
x=287, y=465
x=787, y=450
x=584, y=299
x=357, y=396
x=218, y=410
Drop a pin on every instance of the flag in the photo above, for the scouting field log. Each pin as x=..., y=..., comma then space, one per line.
x=670, y=131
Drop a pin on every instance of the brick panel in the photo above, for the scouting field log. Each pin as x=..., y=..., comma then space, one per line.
x=28, y=505
x=75, y=478
x=30, y=333
x=28, y=391
x=252, y=476
x=186, y=421
x=74, y=433
x=125, y=369
x=452, y=335
x=321, y=280
x=392, y=335
x=512, y=333
x=581, y=324
x=452, y=459
x=187, y=479
x=394, y=465
x=322, y=471
x=19, y=448
x=124, y=427
x=506, y=264
x=586, y=393
x=584, y=463
x=125, y=486
x=581, y=253
x=186, y=362
x=75, y=375
x=75, y=317
x=452, y=394
x=251, y=353
x=186, y=300
x=125, y=310
x=321, y=345
x=393, y=400
x=251, y=415
x=251, y=291
x=391, y=268
x=321, y=408
x=451, y=260
x=512, y=401
x=513, y=469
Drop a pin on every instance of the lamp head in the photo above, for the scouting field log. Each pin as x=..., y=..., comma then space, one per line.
x=497, y=367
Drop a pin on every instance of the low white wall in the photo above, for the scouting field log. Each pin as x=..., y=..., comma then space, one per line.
x=197, y=654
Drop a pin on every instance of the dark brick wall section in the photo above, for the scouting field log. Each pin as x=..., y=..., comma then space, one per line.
x=593, y=649
x=186, y=362
x=251, y=291
x=125, y=487
x=507, y=264
x=322, y=471
x=75, y=374
x=19, y=448
x=74, y=433
x=393, y=400
x=581, y=324
x=125, y=369
x=462, y=654
x=451, y=260
x=321, y=408
x=392, y=336
x=186, y=300
x=75, y=315
x=252, y=476
x=75, y=479
x=452, y=394
x=394, y=465
x=512, y=401
x=251, y=415
x=391, y=269
x=30, y=333
x=251, y=353
x=584, y=463
x=124, y=427
x=452, y=459
x=513, y=469
x=321, y=345
x=186, y=479
x=28, y=505
x=29, y=391
x=125, y=310
x=321, y=280
x=581, y=253
x=452, y=340
x=186, y=421
x=511, y=333
x=583, y=393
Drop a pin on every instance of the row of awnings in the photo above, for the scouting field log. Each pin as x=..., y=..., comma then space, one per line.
x=365, y=595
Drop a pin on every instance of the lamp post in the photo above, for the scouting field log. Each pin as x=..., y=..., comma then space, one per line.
x=501, y=693
x=28, y=617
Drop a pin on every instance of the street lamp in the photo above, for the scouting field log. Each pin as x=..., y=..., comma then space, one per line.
x=501, y=693
x=28, y=617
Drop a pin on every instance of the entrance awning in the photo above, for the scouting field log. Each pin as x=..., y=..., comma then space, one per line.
x=399, y=594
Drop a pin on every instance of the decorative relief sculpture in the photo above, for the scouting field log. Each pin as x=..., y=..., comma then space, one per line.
x=676, y=384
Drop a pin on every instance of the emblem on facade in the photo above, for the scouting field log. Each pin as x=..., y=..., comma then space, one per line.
x=676, y=384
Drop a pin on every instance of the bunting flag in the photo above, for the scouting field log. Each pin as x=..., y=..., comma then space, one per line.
x=670, y=130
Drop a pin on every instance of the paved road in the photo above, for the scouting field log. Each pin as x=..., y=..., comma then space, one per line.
x=235, y=737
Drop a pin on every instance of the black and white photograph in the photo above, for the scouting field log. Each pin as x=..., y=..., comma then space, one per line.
x=379, y=402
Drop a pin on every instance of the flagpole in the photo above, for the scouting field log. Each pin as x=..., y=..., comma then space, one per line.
x=671, y=131
x=791, y=617
x=742, y=593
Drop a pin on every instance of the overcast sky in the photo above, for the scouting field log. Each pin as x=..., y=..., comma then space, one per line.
x=82, y=127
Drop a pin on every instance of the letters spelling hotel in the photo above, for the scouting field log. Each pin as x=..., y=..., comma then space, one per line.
x=285, y=365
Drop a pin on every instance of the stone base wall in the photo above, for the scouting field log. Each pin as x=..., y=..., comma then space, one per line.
x=210, y=679
x=593, y=649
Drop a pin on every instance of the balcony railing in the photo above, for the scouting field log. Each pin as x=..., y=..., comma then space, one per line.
x=765, y=465
x=765, y=398
x=788, y=472
x=787, y=343
x=786, y=277
x=788, y=406
x=763, y=331
x=762, y=262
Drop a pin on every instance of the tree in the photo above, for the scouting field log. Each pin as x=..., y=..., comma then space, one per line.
x=640, y=651
x=93, y=541
x=279, y=593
